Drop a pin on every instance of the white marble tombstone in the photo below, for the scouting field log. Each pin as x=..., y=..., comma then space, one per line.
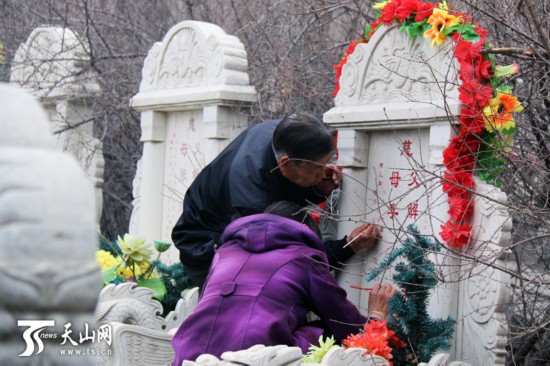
x=48, y=240
x=53, y=65
x=194, y=84
x=392, y=113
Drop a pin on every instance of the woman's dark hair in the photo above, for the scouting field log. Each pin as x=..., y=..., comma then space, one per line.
x=304, y=137
x=295, y=212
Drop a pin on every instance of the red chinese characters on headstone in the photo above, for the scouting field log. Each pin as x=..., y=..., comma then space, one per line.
x=393, y=210
x=414, y=180
x=407, y=148
x=412, y=210
x=394, y=179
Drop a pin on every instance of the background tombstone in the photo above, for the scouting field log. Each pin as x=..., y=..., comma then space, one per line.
x=47, y=225
x=52, y=65
x=392, y=113
x=194, y=83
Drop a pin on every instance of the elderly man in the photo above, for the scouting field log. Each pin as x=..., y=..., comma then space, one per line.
x=278, y=160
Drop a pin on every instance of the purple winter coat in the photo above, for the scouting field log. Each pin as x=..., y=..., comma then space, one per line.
x=267, y=276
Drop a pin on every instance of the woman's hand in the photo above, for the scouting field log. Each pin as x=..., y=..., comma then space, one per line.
x=378, y=300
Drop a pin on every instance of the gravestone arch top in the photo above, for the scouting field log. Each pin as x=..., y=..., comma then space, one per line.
x=195, y=62
x=51, y=63
x=393, y=78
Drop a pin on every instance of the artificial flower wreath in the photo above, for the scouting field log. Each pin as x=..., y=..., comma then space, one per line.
x=486, y=122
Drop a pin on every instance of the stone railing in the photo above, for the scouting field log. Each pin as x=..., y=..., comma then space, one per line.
x=141, y=336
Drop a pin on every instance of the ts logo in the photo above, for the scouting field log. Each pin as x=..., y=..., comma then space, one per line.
x=32, y=335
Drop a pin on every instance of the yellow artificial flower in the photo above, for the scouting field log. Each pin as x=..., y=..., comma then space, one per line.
x=125, y=272
x=135, y=249
x=316, y=354
x=105, y=259
x=498, y=114
x=381, y=5
x=128, y=272
x=439, y=20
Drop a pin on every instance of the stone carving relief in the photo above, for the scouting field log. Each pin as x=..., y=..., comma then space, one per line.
x=141, y=336
x=195, y=54
x=485, y=288
x=52, y=62
x=128, y=304
x=135, y=218
x=393, y=71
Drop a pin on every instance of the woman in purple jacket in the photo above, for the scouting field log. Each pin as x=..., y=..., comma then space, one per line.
x=270, y=272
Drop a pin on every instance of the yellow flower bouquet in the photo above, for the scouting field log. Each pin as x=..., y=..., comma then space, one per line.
x=129, y=259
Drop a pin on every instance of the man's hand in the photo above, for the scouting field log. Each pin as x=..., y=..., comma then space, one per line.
x=331, y=181
x=363, y=236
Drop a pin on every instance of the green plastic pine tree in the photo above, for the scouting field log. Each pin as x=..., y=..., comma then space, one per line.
x=411, y=321
x=175, y=280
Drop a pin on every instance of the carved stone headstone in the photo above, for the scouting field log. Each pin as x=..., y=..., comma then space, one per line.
x=48, y=229
x=53, y=65
x=194, y=84
x=393, y=110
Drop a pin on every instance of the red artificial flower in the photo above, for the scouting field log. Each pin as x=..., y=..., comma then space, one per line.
x=475, y=94
x=473, y=65
x=396, y=343
x=466, y=52
x=460, y=208
x=387, y=14
x=471, y=125
x=459, y=155
x=472, y=121
x=405, y=9
x=423, y=11
x=456, y=235
x=375, y=339
x=481, y=32
x=457, y=183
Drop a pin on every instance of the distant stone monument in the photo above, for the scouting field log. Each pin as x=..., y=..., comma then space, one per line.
x=49, y=280
x=53, y=65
